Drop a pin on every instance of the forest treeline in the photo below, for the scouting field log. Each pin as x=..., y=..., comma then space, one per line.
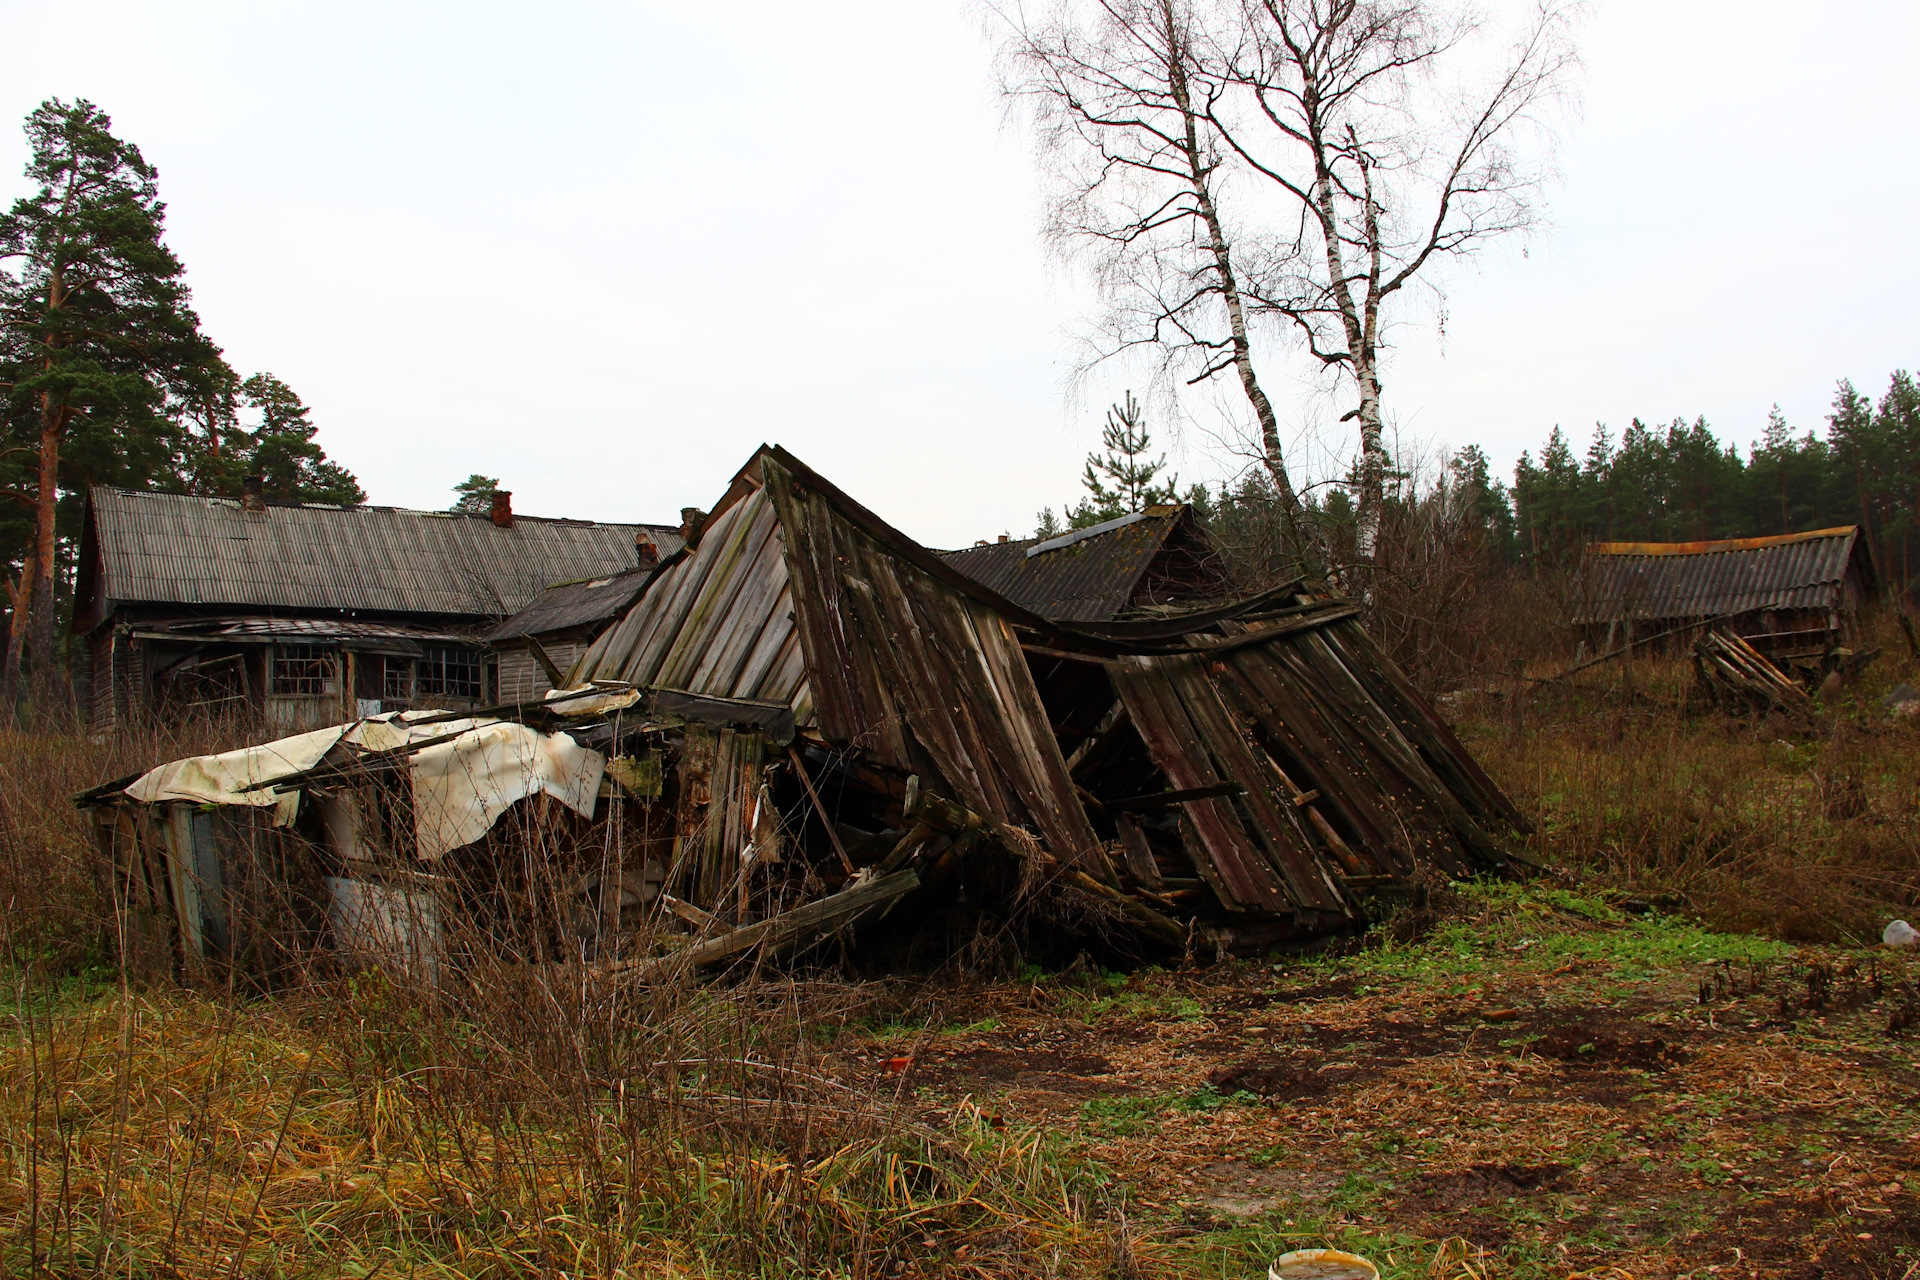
x=1678, y=482
x=1473, y=573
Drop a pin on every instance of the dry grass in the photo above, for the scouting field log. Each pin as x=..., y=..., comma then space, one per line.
x=51, y=912
x=1804, y=829
x=349, y=1132
x=533, y=1123
x=528, y=1121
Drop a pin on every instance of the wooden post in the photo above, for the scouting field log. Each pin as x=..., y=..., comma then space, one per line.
x=1519, y=708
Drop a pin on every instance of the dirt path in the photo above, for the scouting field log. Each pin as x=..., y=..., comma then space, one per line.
x=1554, y=1086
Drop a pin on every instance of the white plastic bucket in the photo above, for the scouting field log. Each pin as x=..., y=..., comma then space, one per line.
x=1322, y=1264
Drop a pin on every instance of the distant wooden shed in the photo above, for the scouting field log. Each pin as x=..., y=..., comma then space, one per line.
x=1793, y=596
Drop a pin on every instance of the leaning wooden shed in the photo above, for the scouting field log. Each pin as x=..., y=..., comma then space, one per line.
x=808, y=726
x=1795, y=596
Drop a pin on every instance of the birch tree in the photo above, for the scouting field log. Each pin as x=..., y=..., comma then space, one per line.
x=1289, y=166
x=1122, y=95
x=1386, y=163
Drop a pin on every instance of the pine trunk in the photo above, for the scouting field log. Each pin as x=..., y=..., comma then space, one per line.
x=20, y=593
x=49, y=701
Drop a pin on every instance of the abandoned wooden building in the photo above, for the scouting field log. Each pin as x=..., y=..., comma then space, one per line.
x=807, y=727
x=533, y=648
x=309, y=614
x=1136, y=563
x=1791, y=597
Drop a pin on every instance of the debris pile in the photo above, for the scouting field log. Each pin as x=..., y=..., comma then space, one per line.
x=806, y=728
x=1736, y=675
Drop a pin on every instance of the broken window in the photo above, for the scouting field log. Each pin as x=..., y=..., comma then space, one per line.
x=450, y=673
x=396, y=684
x=305, y=670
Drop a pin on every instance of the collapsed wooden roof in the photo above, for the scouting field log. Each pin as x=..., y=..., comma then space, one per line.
x=1153, y=558
x=807, y=724
x=1260, y=757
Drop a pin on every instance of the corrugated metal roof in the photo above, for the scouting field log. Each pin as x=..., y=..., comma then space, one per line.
x=1655, y=580
x=183, y=549
x=1087, y=576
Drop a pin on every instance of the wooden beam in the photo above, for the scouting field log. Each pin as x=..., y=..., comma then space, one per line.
x=800, y=767
x=788, y=929
x=1167, y=799
x=545, y=659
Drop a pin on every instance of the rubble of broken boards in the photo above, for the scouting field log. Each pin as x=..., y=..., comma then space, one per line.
x=812, y=738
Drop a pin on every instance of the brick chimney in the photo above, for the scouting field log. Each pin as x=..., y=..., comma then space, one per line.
x=253, y=494
x=503, y=508
x=691, y=518
x=644, y=551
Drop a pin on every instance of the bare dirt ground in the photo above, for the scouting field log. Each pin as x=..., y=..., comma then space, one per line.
x=1543, y=1085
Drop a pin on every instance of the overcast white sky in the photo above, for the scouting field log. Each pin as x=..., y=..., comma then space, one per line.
x=603, y=250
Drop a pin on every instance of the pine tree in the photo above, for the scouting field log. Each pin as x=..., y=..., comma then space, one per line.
x=474, y=495
x=1120, y=481
x=98, y=348
x=283, y=452
x=279, y=447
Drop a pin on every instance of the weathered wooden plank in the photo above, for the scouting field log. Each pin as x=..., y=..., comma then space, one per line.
x=1044, y=782
x=1421, y=717
x=659, y=613
x=731, y=548
x=1275, y=823
x=787, y=930
x=1319, y=759
x=1381, y=731
x=1419, y=799
x=1141, y=864
x=935, y=703
x=768, y=647
x=828, y=695
x=748, y=616
x=1226, y=856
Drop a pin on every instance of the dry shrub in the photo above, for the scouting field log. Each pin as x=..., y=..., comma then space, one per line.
x=1801, y=828
x=52, y=912
x=525, y=1114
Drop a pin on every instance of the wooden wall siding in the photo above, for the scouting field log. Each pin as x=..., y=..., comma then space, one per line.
x=891, y=651
x=719, y=622
x=522, y=679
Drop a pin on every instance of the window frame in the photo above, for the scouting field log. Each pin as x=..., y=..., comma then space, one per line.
x=305, y=671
